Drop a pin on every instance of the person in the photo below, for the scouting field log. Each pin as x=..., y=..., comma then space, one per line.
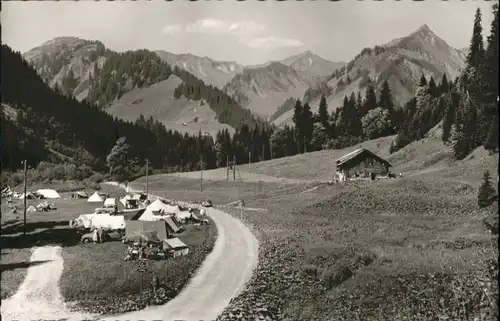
x=141, y=249
x=155, y=283
x=94, y=236
x=100, y=235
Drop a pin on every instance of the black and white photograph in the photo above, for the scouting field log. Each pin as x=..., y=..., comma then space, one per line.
x=249, y=160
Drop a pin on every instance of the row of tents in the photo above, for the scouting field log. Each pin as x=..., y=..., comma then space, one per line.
x=39, y=194
x=158, y=210
x=155, y=224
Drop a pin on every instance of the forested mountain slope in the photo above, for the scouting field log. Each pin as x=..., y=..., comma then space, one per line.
x=401, y=62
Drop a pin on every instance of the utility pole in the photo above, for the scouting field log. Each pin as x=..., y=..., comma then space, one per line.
x=271, y=149
x=201, y=174
x=227, y=167
x=234, y=167
x=305, y=148
x=25, y=172
x=147, y=178
x=249, y=159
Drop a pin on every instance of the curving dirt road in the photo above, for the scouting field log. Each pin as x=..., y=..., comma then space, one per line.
x=38, y=297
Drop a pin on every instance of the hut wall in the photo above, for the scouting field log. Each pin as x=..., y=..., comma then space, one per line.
x=366, y=165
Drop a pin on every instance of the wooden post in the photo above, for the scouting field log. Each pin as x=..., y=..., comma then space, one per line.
x=234, y=167
x=201, y=174
x=249, y=159
x=227, y=167
x=25, y=174
x=147, y=178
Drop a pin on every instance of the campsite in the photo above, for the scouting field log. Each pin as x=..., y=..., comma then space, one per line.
x=91, y=269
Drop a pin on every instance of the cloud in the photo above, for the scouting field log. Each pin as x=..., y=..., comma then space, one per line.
x=240, y=28
x=170, y=30
x=273, y=42
x=248, y=32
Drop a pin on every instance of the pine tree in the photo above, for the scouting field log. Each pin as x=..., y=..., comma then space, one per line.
x=423, y=81
x=459, y=143
x=386, y=102
x=307, y=125
x=433, y=90
x=486, y=194
x=491, y=140
x=444, y=86
x=370, y=101
x=476, y=47
x=490, y=63
x=359, y=101
x=448, y=118
x=323, y=112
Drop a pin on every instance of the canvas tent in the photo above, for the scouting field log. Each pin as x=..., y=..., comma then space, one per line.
x=124, y=199
x=106, y=221
x=110, y=202
x=176, y=246
x=183, y=215
x=172, y=226
x=80, y=194
x=49, y=193
x=95, y=198
x=155, y=211
x=84, y=220
x=31, y=209
x=140, y=227
x=143, y=237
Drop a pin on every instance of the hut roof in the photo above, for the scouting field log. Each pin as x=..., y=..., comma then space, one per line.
x=354, y=157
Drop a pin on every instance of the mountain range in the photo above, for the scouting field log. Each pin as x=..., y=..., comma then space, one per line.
x=71, y=64
x=401, y=62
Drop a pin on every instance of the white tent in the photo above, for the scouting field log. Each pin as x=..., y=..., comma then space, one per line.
x=113, y=222
x=95, y=198
x=155, y=211
x=110, y=202
x=84, y=219
x=182, y=215
x=124, y=199
x=157, y=205
x=49, y=193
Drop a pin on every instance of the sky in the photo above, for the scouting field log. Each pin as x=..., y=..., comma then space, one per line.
x=250, y=32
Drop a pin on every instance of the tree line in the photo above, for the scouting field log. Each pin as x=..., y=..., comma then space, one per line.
x=358, y=119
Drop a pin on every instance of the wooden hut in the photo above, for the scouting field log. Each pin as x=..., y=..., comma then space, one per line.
x=361, y=163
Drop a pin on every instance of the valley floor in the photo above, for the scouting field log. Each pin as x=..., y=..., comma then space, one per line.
x=386, y=250
x=408, y=248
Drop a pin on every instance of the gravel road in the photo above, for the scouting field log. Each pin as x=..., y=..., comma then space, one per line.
x=38, y=297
